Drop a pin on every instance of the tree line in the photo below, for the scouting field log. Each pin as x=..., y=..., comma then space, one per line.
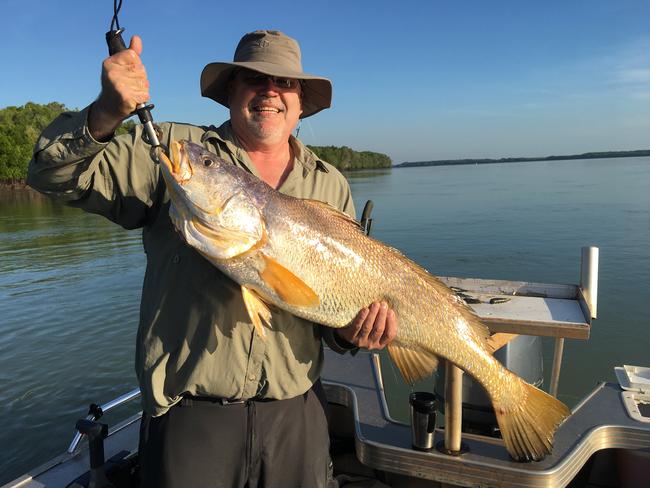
x=589, y=155
x=345, y=158
x=21, y=126
x=19, y=129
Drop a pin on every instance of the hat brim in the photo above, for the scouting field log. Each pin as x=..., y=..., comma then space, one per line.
x=316, y=91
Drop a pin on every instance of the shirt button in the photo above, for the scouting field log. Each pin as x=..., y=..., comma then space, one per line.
x=176, y=259
x=251, y=377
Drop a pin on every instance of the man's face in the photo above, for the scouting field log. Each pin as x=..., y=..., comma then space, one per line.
x=264, y=109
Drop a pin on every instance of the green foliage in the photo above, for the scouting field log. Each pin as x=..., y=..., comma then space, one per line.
x=345, y=158
x=19, y=129
x=127, y=126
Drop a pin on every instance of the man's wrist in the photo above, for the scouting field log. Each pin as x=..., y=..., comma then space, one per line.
x=343, y=342
x=335, y=342
x=101, y=125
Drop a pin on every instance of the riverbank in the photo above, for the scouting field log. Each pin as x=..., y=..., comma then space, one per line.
x=14, y=185
x=589, y=155
x=18, y=191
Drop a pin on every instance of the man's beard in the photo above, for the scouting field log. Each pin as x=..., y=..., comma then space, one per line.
x=263, y=130
x=260, y=125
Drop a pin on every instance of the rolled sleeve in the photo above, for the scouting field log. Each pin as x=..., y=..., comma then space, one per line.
x=61, y=153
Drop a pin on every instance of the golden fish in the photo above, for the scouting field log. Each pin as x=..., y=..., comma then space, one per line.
x=308, y=258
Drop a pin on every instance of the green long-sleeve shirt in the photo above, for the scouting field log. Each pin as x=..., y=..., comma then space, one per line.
x=194, y=336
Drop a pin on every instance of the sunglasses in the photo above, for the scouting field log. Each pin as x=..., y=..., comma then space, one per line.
x=258, y=80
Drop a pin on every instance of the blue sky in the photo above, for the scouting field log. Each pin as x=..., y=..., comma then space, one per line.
x=415, y=80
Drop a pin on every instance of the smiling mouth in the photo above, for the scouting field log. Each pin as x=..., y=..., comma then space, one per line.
x=262, y=109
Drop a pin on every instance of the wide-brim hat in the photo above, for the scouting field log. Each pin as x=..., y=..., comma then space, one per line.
x=271, y=53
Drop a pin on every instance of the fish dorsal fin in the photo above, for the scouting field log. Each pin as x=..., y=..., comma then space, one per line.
x=473, y=321
x=257, y=310
x=413, y=365
x=335, y=212
x=291, y=289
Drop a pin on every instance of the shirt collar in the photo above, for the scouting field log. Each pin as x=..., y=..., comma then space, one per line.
x=303, y=155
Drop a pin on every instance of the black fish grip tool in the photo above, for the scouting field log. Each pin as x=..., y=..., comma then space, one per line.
x=151, y=134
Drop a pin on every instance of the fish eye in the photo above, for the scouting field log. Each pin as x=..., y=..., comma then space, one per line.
x=207, y=162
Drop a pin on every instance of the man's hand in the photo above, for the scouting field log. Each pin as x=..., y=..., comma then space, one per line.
x=124, y=86
x=373, y=328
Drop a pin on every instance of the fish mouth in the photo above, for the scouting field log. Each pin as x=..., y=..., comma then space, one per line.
x=178, y=163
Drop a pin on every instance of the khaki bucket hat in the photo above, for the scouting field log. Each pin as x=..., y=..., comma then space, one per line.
x=271, y=53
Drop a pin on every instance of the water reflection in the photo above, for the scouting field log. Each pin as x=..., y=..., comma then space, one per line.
x=366, y=173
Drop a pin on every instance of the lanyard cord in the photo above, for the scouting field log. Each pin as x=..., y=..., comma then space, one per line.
x=115, y=23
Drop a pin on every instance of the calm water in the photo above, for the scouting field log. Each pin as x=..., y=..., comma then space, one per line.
x=70, y=282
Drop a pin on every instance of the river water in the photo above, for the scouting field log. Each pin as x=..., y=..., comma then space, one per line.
x=70, y=282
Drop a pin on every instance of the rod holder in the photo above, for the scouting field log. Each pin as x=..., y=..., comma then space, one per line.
x=453, y=408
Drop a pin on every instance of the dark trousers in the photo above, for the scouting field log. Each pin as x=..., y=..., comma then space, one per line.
x=204, y=443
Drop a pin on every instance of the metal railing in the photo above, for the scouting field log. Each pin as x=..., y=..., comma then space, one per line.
x=96, y=411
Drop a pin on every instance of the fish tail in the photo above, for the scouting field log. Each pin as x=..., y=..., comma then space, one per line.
x=529, y=420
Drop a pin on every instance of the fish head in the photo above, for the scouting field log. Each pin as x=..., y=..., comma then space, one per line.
x=212, y=203
x=197, y=176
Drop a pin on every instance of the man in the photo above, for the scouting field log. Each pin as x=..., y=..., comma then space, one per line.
x=221, y=406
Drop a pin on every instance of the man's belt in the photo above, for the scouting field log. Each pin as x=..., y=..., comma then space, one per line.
x=189, y=399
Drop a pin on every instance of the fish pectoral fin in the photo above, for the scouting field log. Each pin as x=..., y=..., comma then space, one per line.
x=291, y=289
x=227, y=243
x=257, y=310
x=413, y=365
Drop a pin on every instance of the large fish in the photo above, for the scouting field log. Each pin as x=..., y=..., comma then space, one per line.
x=306, y=257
